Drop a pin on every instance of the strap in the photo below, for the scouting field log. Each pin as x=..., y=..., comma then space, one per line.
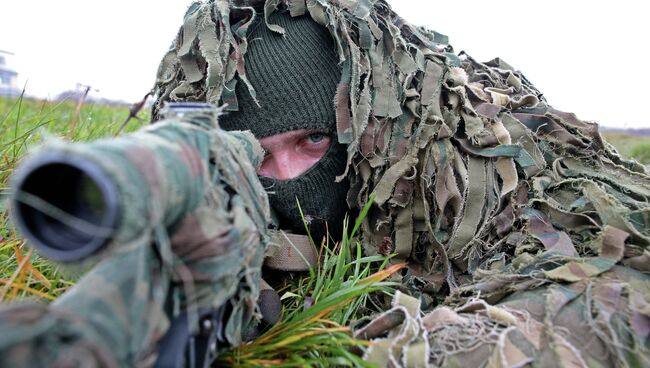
x=290, y=252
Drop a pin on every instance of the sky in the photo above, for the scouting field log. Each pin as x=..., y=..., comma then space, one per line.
x=588, y=57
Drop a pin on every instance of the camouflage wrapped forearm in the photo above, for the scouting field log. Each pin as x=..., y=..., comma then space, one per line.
x=192, y=235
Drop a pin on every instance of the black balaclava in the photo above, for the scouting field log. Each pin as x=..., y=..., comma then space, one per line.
x=295, y=78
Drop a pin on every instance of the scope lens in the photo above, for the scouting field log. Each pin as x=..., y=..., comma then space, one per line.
x=66, y=209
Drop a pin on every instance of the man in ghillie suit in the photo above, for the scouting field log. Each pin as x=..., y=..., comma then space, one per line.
x=526, y=235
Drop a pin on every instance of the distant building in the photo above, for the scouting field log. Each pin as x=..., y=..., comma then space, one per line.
x=8, y=81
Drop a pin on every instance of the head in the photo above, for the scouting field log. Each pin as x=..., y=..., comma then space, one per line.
x=292, y=113
x=361, y=105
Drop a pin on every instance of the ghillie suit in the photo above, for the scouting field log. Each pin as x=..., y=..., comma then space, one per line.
x=517, y=217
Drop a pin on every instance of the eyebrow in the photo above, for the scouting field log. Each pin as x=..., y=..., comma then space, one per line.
x=300, y=133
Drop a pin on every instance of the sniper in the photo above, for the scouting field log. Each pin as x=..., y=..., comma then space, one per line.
x=525, y=235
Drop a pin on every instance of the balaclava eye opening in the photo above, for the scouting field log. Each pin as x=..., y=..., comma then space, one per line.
x=295, y=77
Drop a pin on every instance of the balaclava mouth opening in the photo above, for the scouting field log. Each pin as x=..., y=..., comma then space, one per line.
x=295, y=77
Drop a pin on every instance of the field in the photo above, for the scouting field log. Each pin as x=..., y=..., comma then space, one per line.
x=25, y=123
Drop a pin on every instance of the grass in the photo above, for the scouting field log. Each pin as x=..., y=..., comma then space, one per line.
x=319, y=308
x=24, y=123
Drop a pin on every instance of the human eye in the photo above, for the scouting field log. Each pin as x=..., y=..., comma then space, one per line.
x=316, y=137
x=314, y=143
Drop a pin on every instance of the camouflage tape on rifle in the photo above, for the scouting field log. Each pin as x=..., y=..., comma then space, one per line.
x=194, y=179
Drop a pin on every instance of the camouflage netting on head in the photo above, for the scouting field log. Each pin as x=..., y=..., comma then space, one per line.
x=484, y=188
x=191, y=237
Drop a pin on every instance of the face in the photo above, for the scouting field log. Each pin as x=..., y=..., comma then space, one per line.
x=290, y=154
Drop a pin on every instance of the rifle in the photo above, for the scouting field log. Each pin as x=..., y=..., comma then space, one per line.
x=173, y=221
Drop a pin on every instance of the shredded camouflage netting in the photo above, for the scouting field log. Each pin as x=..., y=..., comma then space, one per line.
x=483, y=187
x=193, y=216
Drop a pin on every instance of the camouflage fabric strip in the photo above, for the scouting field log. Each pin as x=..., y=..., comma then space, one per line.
x=472, y=213
x=406, y=343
